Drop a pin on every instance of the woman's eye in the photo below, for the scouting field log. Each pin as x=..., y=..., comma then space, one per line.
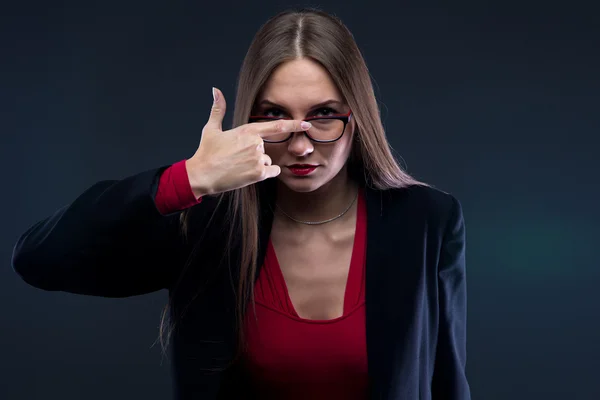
x=277, y=113
x=325, y=111
x=273, y=112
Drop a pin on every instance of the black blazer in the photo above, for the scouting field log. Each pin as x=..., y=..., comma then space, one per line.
x=111, y=241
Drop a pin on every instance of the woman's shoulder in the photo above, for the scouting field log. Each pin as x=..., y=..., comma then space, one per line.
x=426, y=201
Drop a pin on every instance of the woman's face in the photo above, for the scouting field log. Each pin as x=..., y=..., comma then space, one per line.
x=300, y=89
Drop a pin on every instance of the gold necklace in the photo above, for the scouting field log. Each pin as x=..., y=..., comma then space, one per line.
x=319, y=222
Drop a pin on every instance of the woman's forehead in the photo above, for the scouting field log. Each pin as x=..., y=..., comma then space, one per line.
x=303, y=69
x=299, y=84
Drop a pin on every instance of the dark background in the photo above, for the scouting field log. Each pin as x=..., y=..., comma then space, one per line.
x=496, y=102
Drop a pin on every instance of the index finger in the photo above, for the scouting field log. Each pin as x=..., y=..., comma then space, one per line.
x=270, y=128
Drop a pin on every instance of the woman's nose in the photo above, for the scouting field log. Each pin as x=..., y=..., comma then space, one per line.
x=300, y=145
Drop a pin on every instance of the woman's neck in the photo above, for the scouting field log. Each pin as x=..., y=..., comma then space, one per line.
x=324, y=203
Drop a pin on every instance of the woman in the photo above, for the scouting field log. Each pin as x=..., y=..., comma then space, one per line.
x=301, y=261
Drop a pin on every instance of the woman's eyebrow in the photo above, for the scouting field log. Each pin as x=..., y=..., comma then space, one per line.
x=330, y=102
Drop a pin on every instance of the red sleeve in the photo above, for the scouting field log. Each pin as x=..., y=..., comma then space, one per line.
x=174, y=190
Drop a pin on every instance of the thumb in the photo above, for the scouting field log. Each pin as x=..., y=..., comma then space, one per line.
x=217, y=112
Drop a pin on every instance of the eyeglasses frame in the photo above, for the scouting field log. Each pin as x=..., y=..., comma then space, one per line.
x=345, y=118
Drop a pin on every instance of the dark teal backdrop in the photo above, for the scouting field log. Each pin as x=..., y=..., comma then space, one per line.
x=496, y=102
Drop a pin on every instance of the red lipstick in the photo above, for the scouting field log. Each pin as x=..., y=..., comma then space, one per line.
x=302, y=169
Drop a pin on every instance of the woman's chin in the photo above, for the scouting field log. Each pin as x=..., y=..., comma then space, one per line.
x=300, y=184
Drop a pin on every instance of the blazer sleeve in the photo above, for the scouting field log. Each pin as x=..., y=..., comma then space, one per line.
x=111, y=241
x=449, y=377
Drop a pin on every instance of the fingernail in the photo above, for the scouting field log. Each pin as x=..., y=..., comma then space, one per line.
x=215, y=95
x=305, y=125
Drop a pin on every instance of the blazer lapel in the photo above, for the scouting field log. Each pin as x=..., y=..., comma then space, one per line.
x=395, y=293
x=376, y=257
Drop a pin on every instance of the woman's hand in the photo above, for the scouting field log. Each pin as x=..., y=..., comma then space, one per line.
x=228, y=160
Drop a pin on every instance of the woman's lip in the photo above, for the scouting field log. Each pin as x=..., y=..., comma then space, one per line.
x=302, y=166
x=302, y=171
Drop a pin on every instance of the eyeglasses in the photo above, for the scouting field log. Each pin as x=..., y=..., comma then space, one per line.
x=325, y=129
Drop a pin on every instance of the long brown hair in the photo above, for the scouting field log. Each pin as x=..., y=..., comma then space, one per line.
x=321, y=37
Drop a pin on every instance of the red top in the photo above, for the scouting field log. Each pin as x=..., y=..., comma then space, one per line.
x=289, y=357
x=174, y=190
x=295, y=358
